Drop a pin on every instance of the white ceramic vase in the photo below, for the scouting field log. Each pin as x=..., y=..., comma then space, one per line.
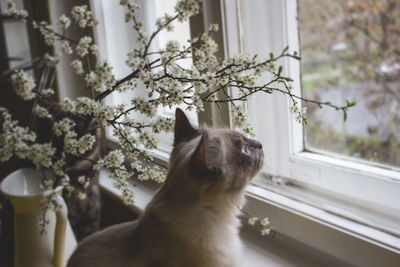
x=31, y=248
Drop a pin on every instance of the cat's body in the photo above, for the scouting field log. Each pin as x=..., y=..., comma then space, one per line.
x=192, y=220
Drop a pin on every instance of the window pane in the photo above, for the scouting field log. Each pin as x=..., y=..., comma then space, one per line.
x=351, y=51
x=181, y=34
x=121, y=39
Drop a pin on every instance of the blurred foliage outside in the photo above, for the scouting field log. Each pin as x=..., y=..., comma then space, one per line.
x=351, y=50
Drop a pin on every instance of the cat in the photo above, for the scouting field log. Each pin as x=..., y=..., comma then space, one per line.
x=192, y=220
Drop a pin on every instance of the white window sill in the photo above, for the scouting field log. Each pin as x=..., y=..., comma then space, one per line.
x=309, y=236
x=333, y=220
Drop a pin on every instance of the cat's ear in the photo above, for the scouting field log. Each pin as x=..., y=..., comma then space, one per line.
x=199, y=162
x=183, y=129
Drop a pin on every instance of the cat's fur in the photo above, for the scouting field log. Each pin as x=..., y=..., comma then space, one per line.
x=192, y=220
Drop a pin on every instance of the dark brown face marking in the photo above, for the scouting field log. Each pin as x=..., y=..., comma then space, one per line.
x=199, y=161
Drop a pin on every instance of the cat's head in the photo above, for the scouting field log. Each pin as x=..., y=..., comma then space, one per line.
x=213, y=160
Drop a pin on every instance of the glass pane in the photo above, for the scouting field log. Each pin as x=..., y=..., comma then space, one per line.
x=351, y=51
x=180, y=34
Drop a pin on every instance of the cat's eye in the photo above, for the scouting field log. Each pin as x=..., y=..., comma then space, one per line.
x=244, y=150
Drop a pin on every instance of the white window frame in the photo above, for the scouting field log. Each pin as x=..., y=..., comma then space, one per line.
x=353, y=190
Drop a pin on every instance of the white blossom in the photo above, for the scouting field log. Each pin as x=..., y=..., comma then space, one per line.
x=39, y=154
x=252, y=220
x=152, y=173
x=64, y=21
x=47, y=92
x=101, y=78
x=264, y=222
x=83, y=16
x=84, y=181
x=77, y=66
x=241, y=121
x=68, y=105
x=81, y=195
x=120, y=177
x=162, y=124
x=87, y=106
x=213, y=27
x=114, y=159
x=42, y=112
x=94, y=49
x=58, y=167
x=83, y=46
x=23, y=85
x=265, y=231
x=135, y=60
x=63, y=126
x=13, y=11
x=67, y=48
x=103, y=114
x=86, y=143
x=149, y=173
x=298, y=112
x=187, y=8
x=163, y=23
x=47, y=32
x=71, y=144
x=14, y=139
x=143, y=106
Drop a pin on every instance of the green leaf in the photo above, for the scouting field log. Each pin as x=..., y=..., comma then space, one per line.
x=344, y=115
x=287, y=79
x=280, y=70
x=285, y=50
x=271, y=56
x=350, y=104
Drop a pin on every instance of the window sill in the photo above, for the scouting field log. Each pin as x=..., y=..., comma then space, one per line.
x=327, y=218
x=309, y=236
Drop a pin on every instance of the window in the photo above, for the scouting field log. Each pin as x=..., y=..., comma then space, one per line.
x=358, y=191
x=16, y=46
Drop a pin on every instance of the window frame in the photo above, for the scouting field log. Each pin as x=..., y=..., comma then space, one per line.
x=341, y=185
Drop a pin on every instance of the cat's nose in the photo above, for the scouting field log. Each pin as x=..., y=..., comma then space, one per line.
x=254, y=144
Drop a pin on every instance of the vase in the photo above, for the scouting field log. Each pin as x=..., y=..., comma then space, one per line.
x=33, y=247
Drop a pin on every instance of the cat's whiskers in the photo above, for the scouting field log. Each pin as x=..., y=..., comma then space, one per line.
x=266, y=167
